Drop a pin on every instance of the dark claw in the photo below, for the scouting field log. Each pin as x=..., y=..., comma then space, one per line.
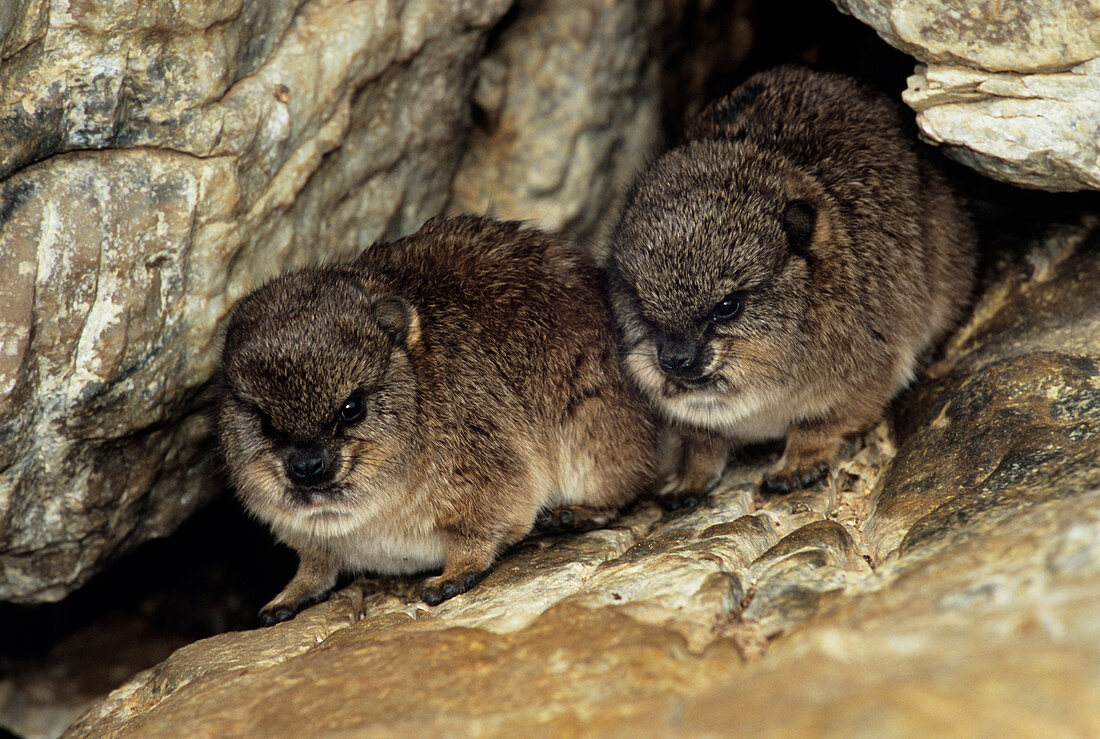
x=770, y=486
x=808, y=479
x=565, y=518
x=276, y=615
x=679, y=502
x=433, y=595
x=542, y=519
x=670, y=502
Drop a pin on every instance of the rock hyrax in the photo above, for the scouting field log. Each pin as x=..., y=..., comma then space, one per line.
x=780, y=273
x=422, y=406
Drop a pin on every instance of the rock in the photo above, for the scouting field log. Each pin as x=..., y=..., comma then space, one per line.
x=568, y=106
x=237, y=139
x=1011, y=90
x=950, y=586
x=1017, y=403
x=1035, y=130
x=1025, y=36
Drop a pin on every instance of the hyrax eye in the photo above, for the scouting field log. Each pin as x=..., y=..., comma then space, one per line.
x=352, y=410
x=728, y=308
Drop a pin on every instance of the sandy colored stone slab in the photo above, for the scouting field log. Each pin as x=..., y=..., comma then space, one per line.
x=1021, y=36
x=1035, y=130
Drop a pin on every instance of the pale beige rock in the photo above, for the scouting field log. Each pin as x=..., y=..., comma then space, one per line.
x=1020, y=36
x=569, y=103
x=231, y=141
x=1011, y=90
x=1040, y=130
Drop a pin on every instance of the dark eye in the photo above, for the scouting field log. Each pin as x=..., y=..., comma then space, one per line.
x=352, y=410
x=729, y=307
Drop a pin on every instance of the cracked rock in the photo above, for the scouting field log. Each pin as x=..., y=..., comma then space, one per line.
x=1011, y=90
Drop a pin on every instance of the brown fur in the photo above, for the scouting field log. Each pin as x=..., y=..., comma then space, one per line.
x=485, y=355
x=848, y=253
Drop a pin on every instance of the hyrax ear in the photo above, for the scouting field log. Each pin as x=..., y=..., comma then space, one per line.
x=397, y=318
x=799, y=220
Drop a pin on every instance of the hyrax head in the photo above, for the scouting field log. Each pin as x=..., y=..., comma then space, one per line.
x=710, y=269
x=319, y=401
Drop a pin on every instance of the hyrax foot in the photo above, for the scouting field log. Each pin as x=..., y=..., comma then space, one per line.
x=784, y=479
x=276, y=613
x=312, y=583
x=438, y=589
x=701, y=464
x=571, y=518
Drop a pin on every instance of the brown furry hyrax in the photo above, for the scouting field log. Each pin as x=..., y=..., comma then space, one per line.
x=780, y=273
x=429, y=404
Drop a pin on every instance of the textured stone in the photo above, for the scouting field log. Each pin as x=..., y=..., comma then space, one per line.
x=238, y=139
x=1009, y=89
x=1036, y=130
x=943, y=583
x=1017, y=402
x=569, y=107
x=1021, y=36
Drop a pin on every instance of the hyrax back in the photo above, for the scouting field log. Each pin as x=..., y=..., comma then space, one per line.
x=422, y=406
x=780, y=273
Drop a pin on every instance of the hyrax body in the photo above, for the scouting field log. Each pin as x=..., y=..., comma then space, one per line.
x=421, y=407
x=780, y=273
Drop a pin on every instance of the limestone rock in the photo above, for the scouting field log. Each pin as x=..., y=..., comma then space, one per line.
x=1017, y=402
x=1036, y=130
x=235, y=139
x=1009, y=89
x=901, y=596
x=1022, y=36
x=569, y=109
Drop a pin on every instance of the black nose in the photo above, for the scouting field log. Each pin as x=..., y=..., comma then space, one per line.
x=308, y=466
x=677, y=355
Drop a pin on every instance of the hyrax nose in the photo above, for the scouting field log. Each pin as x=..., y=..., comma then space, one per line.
x=308, y=466
x=677, y=355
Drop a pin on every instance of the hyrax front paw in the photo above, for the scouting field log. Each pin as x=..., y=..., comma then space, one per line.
x=687, y=492
x=275, y=612
x=571, y=518
x=783, y=479
x=438, y=589
x=702, y=460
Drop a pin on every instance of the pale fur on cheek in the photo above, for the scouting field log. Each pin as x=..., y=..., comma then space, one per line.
x=641, y=362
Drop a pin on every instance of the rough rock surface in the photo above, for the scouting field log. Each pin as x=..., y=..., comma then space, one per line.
x=1037, y=130
x=568, y=110
x=944, y=578
x=1009, y=89
x=159, y=159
